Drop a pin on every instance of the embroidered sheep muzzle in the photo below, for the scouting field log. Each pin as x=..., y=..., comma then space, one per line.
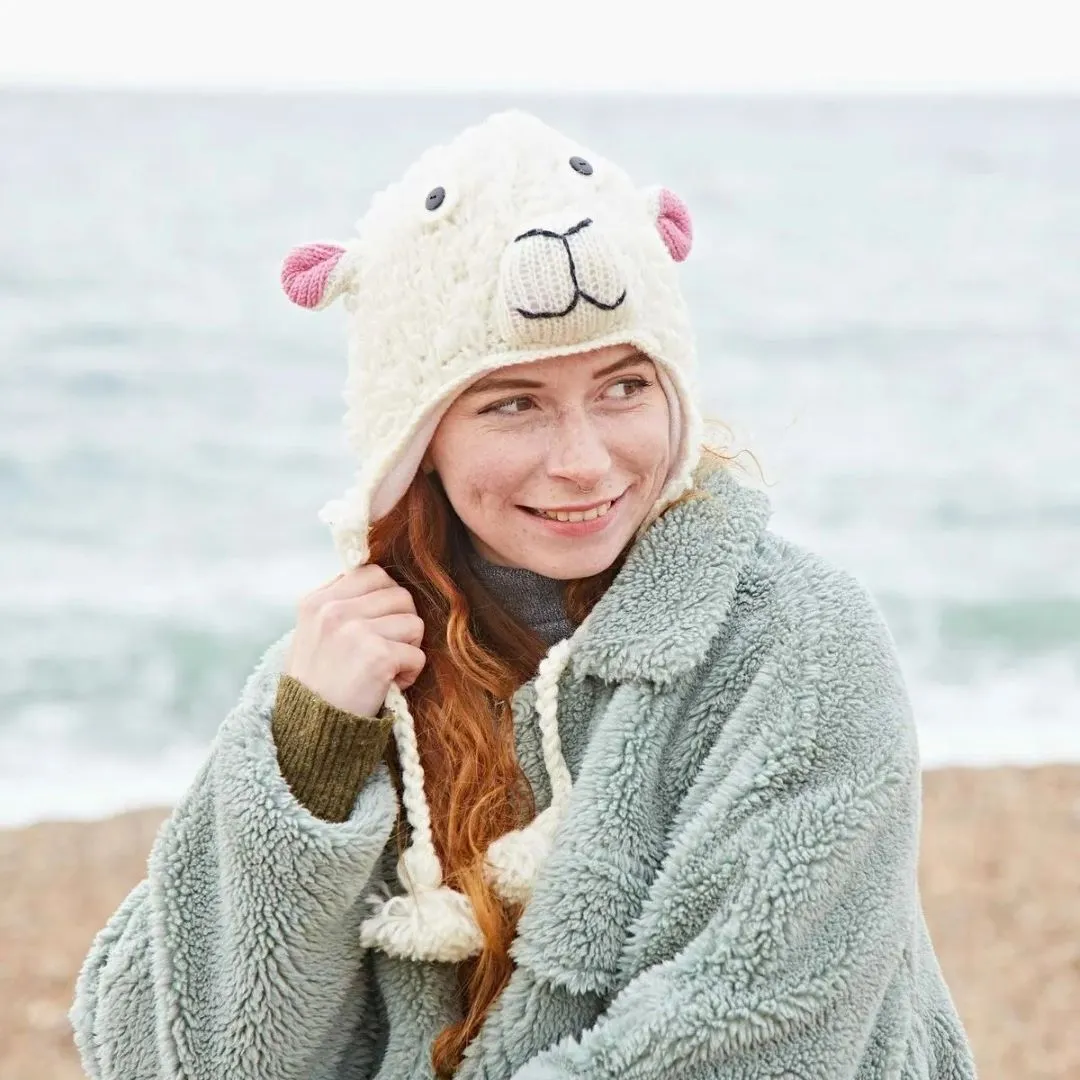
x=560, y=285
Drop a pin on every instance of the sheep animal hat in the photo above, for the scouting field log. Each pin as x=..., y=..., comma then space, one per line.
x=509, y=244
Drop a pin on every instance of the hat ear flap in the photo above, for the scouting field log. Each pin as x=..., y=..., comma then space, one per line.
x=315, y=275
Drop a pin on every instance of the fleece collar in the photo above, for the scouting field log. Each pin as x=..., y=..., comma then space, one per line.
x=672, y=595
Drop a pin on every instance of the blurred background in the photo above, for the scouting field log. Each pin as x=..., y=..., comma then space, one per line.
x=886, y=284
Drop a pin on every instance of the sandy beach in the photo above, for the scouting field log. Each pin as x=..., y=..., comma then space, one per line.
x=1000, y=879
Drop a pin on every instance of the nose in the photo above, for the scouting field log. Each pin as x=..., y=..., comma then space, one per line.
x=577, y=451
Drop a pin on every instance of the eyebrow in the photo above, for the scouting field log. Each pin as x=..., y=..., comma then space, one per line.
x=529, y=384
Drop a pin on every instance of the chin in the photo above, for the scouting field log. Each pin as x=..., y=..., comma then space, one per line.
x=571, y=565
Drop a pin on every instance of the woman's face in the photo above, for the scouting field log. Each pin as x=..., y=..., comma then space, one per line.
x=587, y=432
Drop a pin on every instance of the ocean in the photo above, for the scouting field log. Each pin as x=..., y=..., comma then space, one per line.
x=887, y=294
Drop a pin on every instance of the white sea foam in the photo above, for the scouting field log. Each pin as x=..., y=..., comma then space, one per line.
x=1028, y=715
x=62, y=783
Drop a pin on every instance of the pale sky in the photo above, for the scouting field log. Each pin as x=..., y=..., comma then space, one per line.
x=572, y=45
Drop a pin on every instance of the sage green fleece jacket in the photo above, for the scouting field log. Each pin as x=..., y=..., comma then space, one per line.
x=733, y=894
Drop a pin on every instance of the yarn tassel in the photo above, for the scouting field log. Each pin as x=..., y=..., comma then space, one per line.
x=513, y=861
x=431, y=921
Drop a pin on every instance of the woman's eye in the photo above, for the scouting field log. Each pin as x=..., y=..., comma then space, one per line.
x=636, y=386
x=502, y=408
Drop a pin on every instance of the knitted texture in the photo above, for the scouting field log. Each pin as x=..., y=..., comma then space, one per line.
x=559, y=288
x=306, y=273
x=534, y=600
x=325, y=754
x=673, y=221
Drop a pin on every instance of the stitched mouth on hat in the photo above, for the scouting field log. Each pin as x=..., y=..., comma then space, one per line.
x=579, y=293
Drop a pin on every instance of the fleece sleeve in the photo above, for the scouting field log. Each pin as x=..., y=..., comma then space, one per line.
x=239, y=953
x=785, y=920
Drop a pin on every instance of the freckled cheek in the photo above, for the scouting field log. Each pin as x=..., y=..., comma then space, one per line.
x=501, y=482
x=481, y=469
x=641, y=443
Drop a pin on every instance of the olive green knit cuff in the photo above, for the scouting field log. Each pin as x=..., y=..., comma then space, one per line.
x=325, y=754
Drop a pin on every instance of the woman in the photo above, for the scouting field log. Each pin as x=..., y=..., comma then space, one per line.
x=658, y=772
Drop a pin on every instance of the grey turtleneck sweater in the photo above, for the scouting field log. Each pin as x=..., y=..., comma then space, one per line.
x=326, y=754
x=531, y=598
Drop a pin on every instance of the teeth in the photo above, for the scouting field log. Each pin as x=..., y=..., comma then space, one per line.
x=576, y=515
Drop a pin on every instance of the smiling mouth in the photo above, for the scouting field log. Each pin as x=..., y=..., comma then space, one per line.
x=594, y=512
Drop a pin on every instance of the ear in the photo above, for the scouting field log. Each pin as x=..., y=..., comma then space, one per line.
x=315, y=275
x=672, y=220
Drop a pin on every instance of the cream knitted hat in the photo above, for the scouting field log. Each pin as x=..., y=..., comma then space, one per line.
x=509, y=244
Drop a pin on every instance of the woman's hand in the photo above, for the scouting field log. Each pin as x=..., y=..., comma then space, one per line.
x=354, y=636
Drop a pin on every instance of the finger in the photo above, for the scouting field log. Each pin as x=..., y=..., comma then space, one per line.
x=410, y=662
x=364, y=579
x=383, y=602
x=408, y=629
x=373, y=605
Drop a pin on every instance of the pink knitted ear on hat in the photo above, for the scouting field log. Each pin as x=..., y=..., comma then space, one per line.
x=673, y=224
x=306, y=270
